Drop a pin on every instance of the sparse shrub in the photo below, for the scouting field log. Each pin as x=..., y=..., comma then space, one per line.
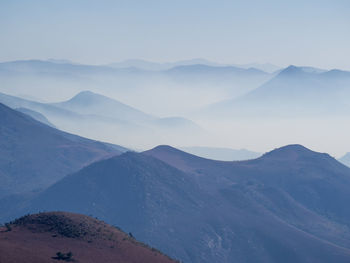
x=8, y=227
x=65, y=257
x=59, y=255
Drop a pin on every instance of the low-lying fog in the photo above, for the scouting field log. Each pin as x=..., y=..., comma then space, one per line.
x=192, y=105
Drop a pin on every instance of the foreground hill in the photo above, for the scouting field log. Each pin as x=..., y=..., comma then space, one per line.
x=286, y=206
x=34, y=155
x=86, y=238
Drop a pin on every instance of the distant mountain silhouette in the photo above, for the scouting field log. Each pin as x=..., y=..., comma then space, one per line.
x=267, y=67
x=205, y=69
x=345, y=159
x=34, y=155
x=289, y=204
x=45, y=78
x=101, y=118
x=36, y=115
x=148, y=65
x=87, y=102
x=67, y=237
x=47, y=110
x=295, y=91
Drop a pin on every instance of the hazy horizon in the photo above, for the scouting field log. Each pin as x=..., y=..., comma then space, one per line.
x=301, y=33
x=312, y=33
x=218, y=63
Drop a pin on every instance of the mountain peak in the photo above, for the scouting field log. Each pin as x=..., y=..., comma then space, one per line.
x=88, y=97
x=165, y=149
x=88, y=102
x=294, y=70
x=292, y=152
x=87, y=94
x=291, y=70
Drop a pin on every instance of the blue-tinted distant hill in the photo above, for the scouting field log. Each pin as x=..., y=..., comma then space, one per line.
x=239, y=80
x=89, y=103
x=295, y=91
x=345, y=159
x=99, y=117
x=36, y=115
x=205, y=69
x=52, y=80
x=141, y=125
x=148, y=65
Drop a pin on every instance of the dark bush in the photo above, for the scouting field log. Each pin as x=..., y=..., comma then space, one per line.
x=8, y=227
x=65, y=257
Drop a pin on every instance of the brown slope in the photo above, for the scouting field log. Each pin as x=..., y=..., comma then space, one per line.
x=37, y=238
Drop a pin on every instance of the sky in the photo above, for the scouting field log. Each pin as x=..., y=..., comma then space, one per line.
x=299, y=32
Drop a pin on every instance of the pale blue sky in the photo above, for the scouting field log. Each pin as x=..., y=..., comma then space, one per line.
x=308, y=32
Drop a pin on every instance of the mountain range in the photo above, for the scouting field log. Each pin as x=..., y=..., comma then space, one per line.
x=201, y=210
x=52, y=81
x=295, y=91
x=148, y=65
x=98, y=117
x=286, y=205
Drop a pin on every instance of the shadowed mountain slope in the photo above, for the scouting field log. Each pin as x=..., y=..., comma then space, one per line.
x=308, y=176
x=292, y=182
x=88, y=239
x=286, y=206
x=136, y=192
x=34, y=155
